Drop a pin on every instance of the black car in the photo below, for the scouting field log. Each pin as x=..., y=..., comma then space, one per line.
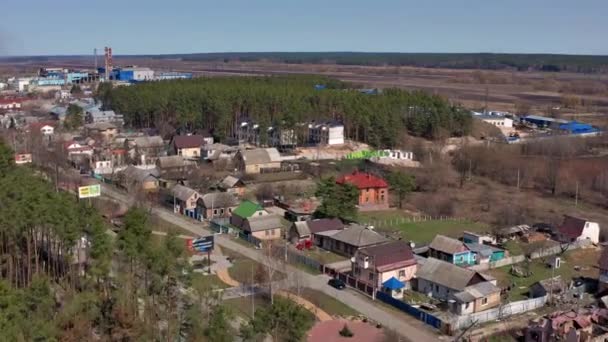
x=337, y=283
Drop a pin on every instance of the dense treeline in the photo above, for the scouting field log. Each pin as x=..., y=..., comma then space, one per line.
x=62, y=280
x=493, y=61
x=219, y=104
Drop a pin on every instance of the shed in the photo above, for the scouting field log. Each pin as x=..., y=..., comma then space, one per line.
x=545, y=287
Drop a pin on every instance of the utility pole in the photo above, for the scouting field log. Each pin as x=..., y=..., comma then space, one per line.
x=517, y=178
x=252, y=294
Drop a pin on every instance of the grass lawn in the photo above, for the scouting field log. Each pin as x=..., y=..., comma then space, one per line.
x=160, y=225
x=327, y=303
x=210, y=281
x=323, y=256
x=514, y=247
x=399, y=224
x=243, y=268
x=243, y=306
x=585, y=258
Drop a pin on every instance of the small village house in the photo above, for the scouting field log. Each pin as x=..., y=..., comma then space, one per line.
x=258, y=160
x=72, y=148
x=381, y=263
x=105, y=130
x=300, y=209
x=451, y=250
x=145, y=149
x=232, y=185
x=576, y=229
x=373, y=190
x=244, y=211
x=23, y=158
x=216, y=152
x=483, y=254
x=184, y=198
x=44, y=128
x=135, y=179
x=174, y=164
x=348, y=240
x=264, y=227
x=470, y=237
x=470, y=291
x=187, y=146
x=216, y=205
x=301, y=231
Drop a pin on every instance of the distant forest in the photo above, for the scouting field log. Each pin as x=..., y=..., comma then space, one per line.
x=219, y=104
x=489, y=61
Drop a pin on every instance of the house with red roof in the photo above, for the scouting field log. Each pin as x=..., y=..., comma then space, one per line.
x=45, y=128
x=575, y=229
x=389, y=265
x=373, y=190
x=72, y=148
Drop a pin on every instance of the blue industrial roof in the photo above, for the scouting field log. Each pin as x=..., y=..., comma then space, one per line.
x=577, y=127
x=393, y=284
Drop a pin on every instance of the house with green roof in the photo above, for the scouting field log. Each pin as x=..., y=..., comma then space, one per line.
x=247, y=209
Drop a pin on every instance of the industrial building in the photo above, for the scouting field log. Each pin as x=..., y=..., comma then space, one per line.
x=542, y=121
x=133, y=74
x=172, y=76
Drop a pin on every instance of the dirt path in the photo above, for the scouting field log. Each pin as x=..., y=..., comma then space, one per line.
x=317, y=311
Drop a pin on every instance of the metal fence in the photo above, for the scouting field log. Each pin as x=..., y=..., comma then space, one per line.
x=410, y=310
x=514, y=308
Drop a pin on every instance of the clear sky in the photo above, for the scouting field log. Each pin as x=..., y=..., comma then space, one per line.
x=42, y=27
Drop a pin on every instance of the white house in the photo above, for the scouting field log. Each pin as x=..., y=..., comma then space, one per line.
x=47, y=130
x=72, y=147
x=575, y=229
x=328, y=134
x=496, y=120
x=102, y=167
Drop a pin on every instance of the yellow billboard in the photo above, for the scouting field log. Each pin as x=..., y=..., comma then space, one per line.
x=89, y=191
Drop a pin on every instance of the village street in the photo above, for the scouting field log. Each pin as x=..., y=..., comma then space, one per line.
x=410, y=328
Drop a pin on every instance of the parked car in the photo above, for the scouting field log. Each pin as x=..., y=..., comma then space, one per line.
x=336, y=283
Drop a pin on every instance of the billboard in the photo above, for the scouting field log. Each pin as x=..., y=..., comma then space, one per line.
x=202, y=244
x=89, y=191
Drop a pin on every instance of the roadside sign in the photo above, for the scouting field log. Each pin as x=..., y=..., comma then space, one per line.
x=89, y=191
x=202, y=244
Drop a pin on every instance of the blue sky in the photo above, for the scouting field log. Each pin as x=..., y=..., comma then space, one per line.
x=40, y=27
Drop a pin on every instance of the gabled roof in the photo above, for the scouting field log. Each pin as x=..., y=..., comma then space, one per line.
x=394, y=253
x=572, y=226
x=447, y=245
x=323, y=225
x=183, y=193
x=447, y=274
x=188, y=141
x=247, y=209
x=166, y=162
x=358, y=236
x=302, y=228
x=231, y=182
x=218, y=200
x=264, y=222
x=484, y=250
x=477, y=291
x=261, y=156
x=362, y=180
x=147, y=142
x=140, y=175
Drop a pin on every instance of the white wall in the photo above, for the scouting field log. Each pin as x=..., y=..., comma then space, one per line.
x=591, y=232
x=336, y=135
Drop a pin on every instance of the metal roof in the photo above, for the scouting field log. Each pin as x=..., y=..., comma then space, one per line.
x=264, y=222
x=302, y=228
x=172, y=161
x=183, y=193
x=479, y=290
x=445, y=274
x=218, y=200
x=261, y=156
x=358, y=236
x=447, y=245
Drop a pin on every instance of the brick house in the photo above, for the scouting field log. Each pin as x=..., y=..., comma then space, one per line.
x=373, y=190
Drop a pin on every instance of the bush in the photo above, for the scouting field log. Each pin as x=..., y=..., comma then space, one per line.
x=345, y=332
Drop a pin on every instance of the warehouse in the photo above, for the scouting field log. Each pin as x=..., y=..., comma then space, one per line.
x=542, y=121
x=134, y=74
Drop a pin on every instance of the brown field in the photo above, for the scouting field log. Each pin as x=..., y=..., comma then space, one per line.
x=503, y=90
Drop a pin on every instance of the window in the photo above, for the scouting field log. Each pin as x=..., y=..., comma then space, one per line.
x=401, y=273
x=214, y=211
x=484, y=301
x=267, y=232
x=466, y=306
x=371, y=276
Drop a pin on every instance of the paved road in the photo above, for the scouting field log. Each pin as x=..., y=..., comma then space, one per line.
x=410, y=328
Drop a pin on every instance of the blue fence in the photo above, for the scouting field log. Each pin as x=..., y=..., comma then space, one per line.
x=410, y=310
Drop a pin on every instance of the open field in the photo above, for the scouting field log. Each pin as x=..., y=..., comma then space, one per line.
x=502, y=90
x=586, y=259
x=246, y=270
x=400, y=225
